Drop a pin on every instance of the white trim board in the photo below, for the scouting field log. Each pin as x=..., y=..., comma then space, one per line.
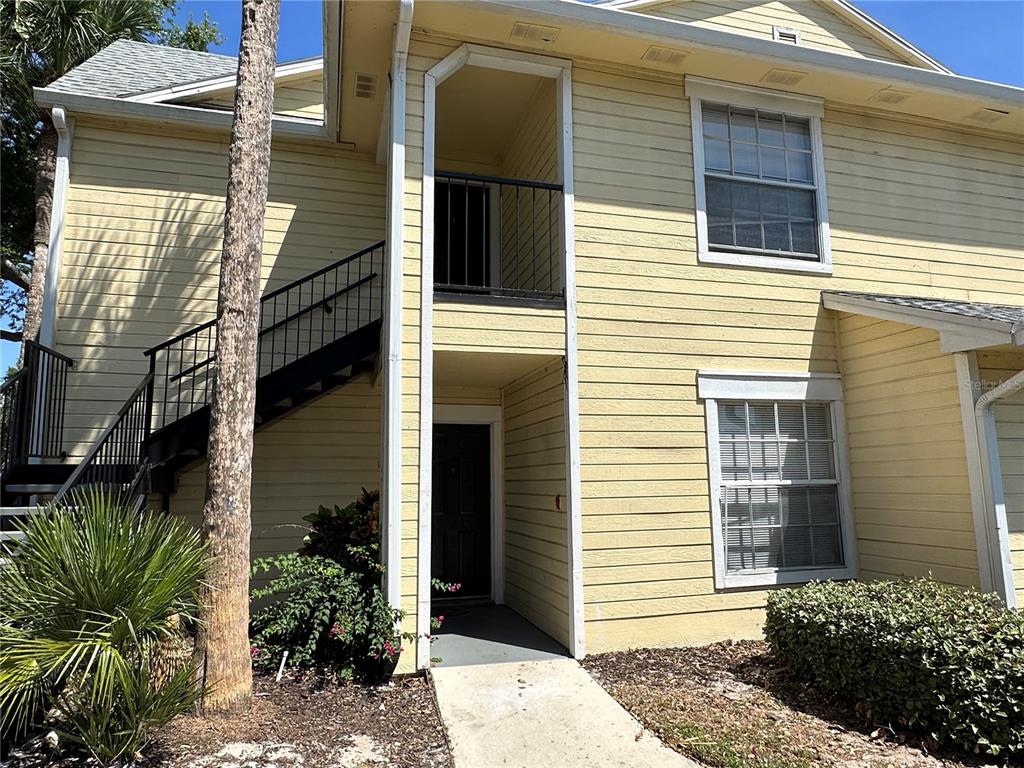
x=560, y=71
x=391, y=496
x=61, y=179
x=293, y=70
x=957, y=333
x=491, y=415
x=675, y=33
x=177, y=114
x=846, y=11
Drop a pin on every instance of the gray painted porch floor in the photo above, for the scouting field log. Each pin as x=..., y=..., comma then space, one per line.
x=489, y=634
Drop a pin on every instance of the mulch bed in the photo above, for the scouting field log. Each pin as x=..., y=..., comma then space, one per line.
x=732, y=705
x=312, y=722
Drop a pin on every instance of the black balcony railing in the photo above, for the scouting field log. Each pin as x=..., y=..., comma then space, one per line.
x=497, y=236
x=32, y=407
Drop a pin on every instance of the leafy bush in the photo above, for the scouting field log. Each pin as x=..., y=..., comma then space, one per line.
x=89, y=600
x=917, y=654
x=325, y=605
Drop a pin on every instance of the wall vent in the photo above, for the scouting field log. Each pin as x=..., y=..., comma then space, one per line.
x=786, y=35
x=890, y=96
x=365, y=86
x=665, y=57
x=534, y=33
x=988, y=115
x=783, y=77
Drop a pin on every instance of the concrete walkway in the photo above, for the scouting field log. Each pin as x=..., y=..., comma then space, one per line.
x=541, y=714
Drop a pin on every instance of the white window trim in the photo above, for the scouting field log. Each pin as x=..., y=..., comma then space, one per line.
x=699, y=89
x=713, y=386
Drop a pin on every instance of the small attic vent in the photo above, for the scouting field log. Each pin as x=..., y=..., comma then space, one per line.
x=988, y=115
x=666, y=57
x=366, y=86
x=890, y=96
x=534, y=33
x=786, y=35
x=783, y=77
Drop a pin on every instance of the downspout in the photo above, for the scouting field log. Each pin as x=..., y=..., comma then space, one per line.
x=61, y=178
x=392, y=496
x=999, y=549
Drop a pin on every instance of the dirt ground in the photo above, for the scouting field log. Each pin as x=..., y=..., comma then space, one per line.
x=731, y=705
x=312, y=723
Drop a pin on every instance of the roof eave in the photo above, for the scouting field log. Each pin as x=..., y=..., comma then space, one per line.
x=865, y=23
x=283, y=73
x=957, y=333
x=676, y=32
x=177, y=114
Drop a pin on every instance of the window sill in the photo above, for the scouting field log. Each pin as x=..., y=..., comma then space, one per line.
x=775, y=578
x=773, y=263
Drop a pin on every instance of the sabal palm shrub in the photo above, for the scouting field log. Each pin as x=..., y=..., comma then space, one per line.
x=90, y=599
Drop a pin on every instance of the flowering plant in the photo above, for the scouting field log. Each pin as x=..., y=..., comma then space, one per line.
x=324, y=604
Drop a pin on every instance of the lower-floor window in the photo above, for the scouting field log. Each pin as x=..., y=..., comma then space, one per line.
x=776, y=479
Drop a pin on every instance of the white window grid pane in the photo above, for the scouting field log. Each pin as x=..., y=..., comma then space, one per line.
x=796, y=522
x=759, y=158
x=796, y=144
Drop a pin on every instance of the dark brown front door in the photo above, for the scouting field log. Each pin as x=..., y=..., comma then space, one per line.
x=461, y=521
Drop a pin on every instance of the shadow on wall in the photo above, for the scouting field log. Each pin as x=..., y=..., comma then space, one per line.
x=143, y=241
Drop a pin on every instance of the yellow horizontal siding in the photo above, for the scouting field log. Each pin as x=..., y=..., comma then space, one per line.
x=142, y=242
x=322, y=453
x=293, y=98
x=461, y=327
x=536, y=550
x=819, y=27
x=906, y=445
x=907, y=211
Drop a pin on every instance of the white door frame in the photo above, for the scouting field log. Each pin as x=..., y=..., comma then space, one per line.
x=489, y=415
x=560, y=70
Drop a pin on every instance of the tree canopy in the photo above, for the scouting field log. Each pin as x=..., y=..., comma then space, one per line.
x=40, y=40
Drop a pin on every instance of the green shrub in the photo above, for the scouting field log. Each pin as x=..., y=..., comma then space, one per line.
x=915, y=654
x=89, y=600
x=325, y=605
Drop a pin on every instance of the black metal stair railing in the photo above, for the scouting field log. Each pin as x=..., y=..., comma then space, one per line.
x=32, y=404
x=296, y=320
x=117, y=460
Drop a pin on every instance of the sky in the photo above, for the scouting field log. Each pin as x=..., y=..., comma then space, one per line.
x=983, y=39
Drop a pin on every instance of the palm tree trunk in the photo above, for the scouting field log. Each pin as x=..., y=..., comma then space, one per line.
x=222, y=645
x=46, y=163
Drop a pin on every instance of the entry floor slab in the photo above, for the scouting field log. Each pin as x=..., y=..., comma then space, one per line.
x=541, y=714
x=489, y=634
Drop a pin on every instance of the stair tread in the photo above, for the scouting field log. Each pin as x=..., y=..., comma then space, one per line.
x=33, y=487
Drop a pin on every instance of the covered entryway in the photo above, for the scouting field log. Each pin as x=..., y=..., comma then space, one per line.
x=498, y=513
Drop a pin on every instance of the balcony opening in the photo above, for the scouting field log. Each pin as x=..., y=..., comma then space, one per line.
x=497, y=200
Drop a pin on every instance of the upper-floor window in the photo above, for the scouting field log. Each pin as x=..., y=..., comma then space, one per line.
x=759, y=180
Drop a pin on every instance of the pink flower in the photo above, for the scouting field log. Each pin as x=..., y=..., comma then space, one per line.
x=389, y=648
x=440, y=618
x=336, y=631
x=254, y=651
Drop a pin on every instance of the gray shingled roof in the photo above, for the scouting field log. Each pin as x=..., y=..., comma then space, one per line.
x=1000, y=313
x=126, y=68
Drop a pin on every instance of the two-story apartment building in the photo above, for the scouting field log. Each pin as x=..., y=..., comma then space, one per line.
x=633, y=310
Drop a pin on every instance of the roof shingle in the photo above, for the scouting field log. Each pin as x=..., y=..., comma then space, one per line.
x=125, y=68
x=1000, y=313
